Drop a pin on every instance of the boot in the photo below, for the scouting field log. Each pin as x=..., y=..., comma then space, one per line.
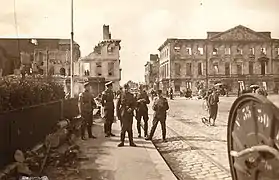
x=122, y=138
x=139, y=128
x=130, y=135
x=89, y=130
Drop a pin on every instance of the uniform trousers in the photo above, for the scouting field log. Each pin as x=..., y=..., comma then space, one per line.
x=109, y=117
x=87, y=121
x=155, y=122
x=127, y=126
x=139, y=116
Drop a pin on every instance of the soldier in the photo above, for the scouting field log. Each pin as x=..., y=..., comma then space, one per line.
x=160, y=107
x=213, y=100
x=125, y=107
x=142, y=110
x=86, y=105
x=108, y=105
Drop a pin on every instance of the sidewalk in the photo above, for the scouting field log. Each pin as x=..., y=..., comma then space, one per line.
x=106, y=161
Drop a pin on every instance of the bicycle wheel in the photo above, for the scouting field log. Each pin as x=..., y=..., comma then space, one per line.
x=253, y=122
x=204, y=106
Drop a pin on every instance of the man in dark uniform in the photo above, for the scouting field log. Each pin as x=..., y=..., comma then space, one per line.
x=125, y=107
x=160, y=107
x=108, y=104
x=86, y=105
x=142, y=110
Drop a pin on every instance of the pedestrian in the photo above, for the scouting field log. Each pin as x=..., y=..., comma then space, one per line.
x=160, y=108
x=213, y=100
x=86, y=105
x=108, y=105
x=171, y=93
x=142, y=110
x=125, y=111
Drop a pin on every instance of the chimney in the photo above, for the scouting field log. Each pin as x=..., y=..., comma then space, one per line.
x=109, y=35
x=106, y=32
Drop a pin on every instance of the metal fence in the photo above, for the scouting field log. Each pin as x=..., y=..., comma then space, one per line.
x=24, y=128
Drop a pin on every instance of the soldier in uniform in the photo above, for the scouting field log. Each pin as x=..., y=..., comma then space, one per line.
x=86, y=105
x=142, y=110
x=108, y=104
x=125, y=107
x=160, y=107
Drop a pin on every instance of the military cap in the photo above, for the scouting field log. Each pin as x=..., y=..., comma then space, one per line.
x=86, y=84
x=126, y=85
x=108, y=83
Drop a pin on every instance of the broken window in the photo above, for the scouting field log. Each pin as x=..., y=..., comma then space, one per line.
x=199, y=68
x=215, y=51
x=176, y=48
x=188, y=69
x=227, y=50
x=252, y=51
x=263, y=50
x=239, y=69
x=239, y=51
x=110, y=68
x=227, y=68
x=277, y=50
x=188, y=51
x=99, y=68
x=251, y=68
x=177, y=69
x=86, y=67
x=200, y=50
x=216, y=68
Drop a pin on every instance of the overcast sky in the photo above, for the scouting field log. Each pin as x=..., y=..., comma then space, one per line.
x=142, y=25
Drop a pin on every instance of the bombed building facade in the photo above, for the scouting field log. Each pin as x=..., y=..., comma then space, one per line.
x=238, y=55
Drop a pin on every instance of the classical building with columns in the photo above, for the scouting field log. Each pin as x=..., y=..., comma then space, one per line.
x=238, y=55
x=104, y=61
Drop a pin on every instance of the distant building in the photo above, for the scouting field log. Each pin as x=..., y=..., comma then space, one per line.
x=35, y=55
x=236, y=55
x=104, y=60
x=152, y=72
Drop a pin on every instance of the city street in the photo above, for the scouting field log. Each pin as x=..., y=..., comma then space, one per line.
x=194, y=150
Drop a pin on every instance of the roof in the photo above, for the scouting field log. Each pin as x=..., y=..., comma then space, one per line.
x=169, y=40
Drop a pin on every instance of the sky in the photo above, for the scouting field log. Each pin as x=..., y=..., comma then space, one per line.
x=142, y=25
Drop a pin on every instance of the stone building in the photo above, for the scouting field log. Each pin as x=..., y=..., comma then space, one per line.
x=104, y=60
x=35, y=55
x=152, y=72
x=236, y=55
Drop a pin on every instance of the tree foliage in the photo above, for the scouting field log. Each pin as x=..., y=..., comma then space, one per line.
x=17, y=92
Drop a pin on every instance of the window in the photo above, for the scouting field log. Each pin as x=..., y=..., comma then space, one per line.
x=188, y=69
x=251, y=68
x=239, y=69
x=98, y=64
x=277, y=50
x=216, y=68
x=176, y=88
x=177, y=69
x=110, y=68
x=200, y=50
x=227, y=68
x=239, y=51
x=263, y=50
x=215, y=51
x=199, y=68
x=227, y=50
x=263, y=68
x=176, y=48
x=252, y=51
x=167, y=69
x=86, y=67
x=99, y=68
x=188, y=51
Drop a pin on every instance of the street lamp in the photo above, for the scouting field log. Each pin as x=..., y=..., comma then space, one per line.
x=72, y=41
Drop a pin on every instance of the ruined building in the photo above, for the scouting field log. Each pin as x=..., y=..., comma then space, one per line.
x=236, y=55
x=152, y=72
x=104, y=60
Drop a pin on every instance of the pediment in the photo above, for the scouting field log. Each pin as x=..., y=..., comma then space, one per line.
x=239, y=33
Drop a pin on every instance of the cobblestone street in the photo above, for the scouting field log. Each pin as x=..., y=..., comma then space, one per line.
x=194, y=150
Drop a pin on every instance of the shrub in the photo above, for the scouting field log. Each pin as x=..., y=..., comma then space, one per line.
x=16, y=93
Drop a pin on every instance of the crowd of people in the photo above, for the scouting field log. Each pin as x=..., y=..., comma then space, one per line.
x=128, y=106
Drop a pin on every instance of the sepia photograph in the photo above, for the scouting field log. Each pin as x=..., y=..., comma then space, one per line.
x=139, y=90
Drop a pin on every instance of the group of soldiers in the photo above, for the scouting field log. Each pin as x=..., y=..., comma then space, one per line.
x=128, y=106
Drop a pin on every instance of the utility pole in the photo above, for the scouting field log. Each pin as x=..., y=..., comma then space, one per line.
x=206, y=66
x=47, y=62
x=72, y=41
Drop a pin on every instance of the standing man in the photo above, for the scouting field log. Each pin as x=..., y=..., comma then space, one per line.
x=125, y=111
x=213, y=100
x=86, y=105
x=160, y=107
x=142, y=110
x=171, y=93
x=108, y=105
